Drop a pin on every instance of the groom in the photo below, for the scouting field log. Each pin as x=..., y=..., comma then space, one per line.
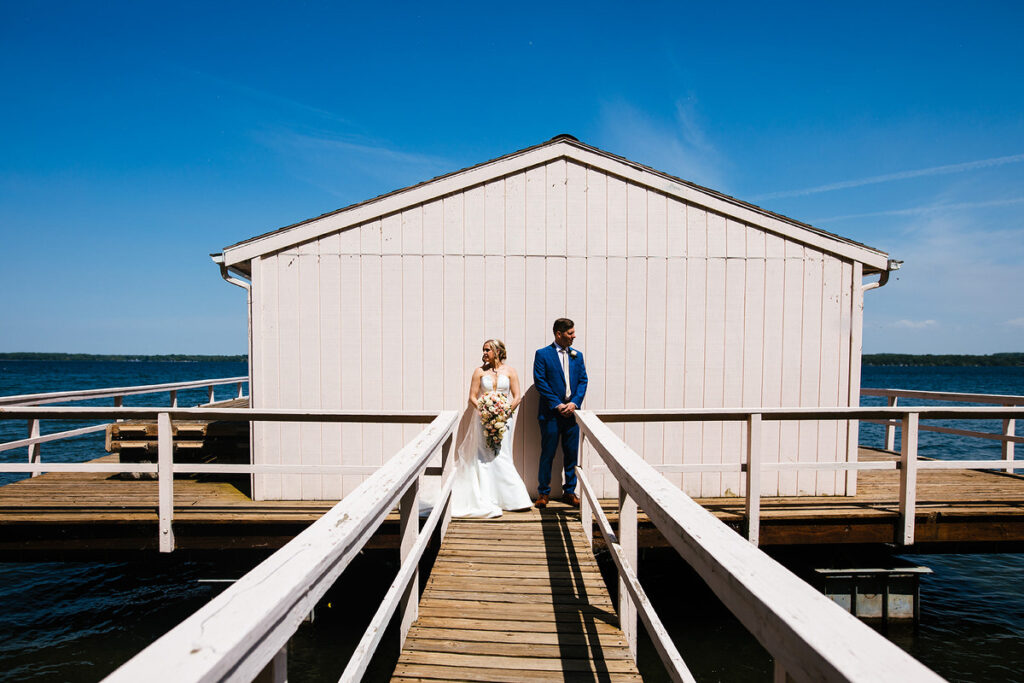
x=561, y=380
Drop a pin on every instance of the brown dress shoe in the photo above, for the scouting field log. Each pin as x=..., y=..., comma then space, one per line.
x=542, y=500
x=571, y=499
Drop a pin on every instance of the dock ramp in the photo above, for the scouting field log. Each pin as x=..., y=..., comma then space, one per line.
x=514, y=599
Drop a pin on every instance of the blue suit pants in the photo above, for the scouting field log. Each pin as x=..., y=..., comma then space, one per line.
x=553, y=429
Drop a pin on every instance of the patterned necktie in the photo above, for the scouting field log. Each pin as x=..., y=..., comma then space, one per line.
x=565, y=369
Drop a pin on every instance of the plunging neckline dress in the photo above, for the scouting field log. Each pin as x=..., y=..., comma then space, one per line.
x=487, y=482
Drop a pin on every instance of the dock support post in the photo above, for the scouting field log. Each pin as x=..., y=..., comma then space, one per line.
x=174, y=399
x=753, y=478
x=628, y=542
x=890, y=429
x=586, y=513
x=209, y=394
x=240, y=394
x=1009, y=429
x=409, y=529
x=908, y=479
x=34, y=453
x=779, y=673
x=165, y=475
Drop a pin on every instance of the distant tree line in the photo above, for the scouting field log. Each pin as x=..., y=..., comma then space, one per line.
x=944, y=360
x=922, y=360
x=173, y=357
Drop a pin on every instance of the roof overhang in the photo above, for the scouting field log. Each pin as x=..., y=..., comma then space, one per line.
x=238, y=256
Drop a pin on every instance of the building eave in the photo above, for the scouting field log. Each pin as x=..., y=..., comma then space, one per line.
x=560, y=147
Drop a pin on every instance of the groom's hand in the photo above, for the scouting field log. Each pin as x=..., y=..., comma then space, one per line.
x=566, y=409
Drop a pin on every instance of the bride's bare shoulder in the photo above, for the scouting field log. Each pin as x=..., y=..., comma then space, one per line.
x=510, y=371
x=478, y=371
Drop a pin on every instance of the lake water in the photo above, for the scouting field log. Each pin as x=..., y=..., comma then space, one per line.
x=77, y=621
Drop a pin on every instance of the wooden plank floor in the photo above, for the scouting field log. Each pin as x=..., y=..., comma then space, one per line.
x=94, y=511
x=519, y=598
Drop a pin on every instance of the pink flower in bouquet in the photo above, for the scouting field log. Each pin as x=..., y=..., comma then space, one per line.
x=495, y=411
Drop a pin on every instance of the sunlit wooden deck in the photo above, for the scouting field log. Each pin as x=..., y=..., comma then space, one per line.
x=518, y=598
x=70, y=512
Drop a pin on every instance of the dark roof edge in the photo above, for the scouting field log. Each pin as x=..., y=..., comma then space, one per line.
x=571, y=140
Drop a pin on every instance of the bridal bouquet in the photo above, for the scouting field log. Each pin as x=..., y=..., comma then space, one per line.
x=495, y=411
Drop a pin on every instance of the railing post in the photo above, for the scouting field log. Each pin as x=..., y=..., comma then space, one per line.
x=165, y=483
x=908, y=479
x=586, y=513
x=753, y=477
x=174, y=399
x=628, y=542
x=276, y=670
x=409, y=528
x=890, y=429
x=447, y=470
x=1009, y=429
x=209, y=394
x=34, y=452
x=240, y=394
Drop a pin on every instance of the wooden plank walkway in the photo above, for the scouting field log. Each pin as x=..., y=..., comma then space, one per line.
x=519, y=598
x=67, y=512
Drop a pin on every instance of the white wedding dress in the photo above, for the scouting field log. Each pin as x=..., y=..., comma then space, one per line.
x=487, y=483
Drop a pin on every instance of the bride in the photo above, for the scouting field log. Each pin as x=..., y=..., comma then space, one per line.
x=487, y=482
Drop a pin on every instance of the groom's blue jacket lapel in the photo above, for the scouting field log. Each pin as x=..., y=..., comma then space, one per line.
x=552, y=387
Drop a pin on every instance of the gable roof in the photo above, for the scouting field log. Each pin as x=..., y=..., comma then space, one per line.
x=237, y=256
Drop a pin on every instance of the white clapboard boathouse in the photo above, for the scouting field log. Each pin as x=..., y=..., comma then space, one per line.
x=682, y=297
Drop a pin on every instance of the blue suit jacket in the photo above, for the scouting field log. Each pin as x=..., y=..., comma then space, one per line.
x=550, y=380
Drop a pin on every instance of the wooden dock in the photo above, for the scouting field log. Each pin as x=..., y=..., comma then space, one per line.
x=518, y=598
x=67, y=513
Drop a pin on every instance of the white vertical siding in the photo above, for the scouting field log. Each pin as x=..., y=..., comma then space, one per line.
x=675, y=307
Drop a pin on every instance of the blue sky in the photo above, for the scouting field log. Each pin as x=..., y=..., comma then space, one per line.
x=137, y=138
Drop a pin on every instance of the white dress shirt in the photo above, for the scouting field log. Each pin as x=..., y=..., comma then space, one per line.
x=563, y=355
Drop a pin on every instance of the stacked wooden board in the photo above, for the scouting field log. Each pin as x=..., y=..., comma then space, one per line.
x=194, y=440
x=520, y=598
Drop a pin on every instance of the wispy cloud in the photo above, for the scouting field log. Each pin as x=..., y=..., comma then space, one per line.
x=352, y=167
x=265, y=97
x=914, y=324
x=921, y=210
x=890, y=177
x=1016, y=322
x=678, y=145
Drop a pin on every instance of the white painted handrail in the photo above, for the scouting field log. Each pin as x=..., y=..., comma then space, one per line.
x=810, y=637
x=1007, y=437
x=909, y=464
x=829, y=413
x=115, y=392
x=165, y=467
x=244, y=629
x=670, y=657
x=35, y=439
x=999, y=399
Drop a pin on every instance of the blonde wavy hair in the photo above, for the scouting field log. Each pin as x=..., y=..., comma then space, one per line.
x=498, y=347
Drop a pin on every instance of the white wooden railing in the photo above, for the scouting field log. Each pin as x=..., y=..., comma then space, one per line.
x=752, y=464
x=165, y=468
x=118, y=393
x=244, y=631
x=1007, y=437
x=35, y=439
x=809, y=636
